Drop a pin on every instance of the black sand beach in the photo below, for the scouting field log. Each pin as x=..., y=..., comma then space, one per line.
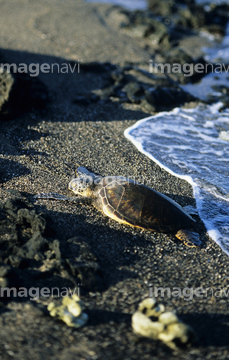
x=40, y=151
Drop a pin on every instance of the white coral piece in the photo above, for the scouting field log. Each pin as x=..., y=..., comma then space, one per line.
x=70, y=311
x=152, y=321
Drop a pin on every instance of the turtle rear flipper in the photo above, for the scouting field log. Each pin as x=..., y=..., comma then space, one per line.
x=188, y=237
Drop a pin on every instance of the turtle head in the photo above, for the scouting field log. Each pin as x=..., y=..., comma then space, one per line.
x=82, y=186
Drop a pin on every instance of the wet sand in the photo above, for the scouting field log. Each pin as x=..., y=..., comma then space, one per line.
x=40, y=152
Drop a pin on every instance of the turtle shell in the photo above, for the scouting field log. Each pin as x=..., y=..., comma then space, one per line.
x=141, y=206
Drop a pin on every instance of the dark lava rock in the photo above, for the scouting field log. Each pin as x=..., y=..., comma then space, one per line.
x=164, y=93
x=118, y=76
x=146, y=25
x=112, y=77
x=134, y=92
x=20, y=93
x=163, y=7
x=30, y=252
x=217, y=18
x=34, y=248
x=158, y=99
x=21, y=232
x=188, y=14
x=161, y=32
x=82, y=265
x=169, y=21
x=190, y=68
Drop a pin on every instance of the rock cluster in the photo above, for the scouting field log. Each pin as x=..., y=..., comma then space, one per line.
x=120, y=83
x=30, y=251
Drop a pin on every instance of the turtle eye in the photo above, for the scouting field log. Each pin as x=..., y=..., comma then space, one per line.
x=79, y=186
x=87, y=181
x=75, y=185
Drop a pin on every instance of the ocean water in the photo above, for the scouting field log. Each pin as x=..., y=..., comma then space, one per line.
x=209, y=88
x=128, y=4
x=193, y=144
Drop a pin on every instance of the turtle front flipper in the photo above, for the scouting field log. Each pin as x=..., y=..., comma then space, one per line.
x=188, y=237
x=56, y=196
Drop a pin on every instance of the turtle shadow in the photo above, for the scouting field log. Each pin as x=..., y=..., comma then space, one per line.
x=114, y=245
x=112, y=248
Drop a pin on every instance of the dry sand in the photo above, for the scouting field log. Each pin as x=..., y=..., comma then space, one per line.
x=40, y=152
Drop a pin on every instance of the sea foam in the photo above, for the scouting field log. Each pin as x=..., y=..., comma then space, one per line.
x=192, y=144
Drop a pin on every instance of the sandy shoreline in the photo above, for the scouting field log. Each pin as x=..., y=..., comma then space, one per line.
x=40, y=152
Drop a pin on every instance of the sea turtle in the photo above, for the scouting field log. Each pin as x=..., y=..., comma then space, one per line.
x=128, y=202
